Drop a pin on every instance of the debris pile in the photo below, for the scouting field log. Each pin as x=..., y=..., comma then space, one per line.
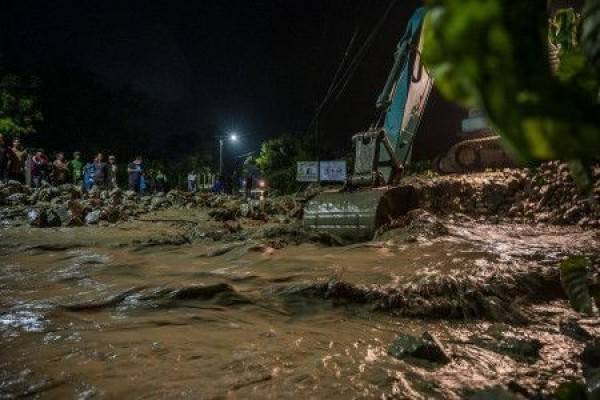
x=546, y=194
x=68, y=205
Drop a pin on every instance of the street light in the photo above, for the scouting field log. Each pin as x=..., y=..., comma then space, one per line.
x=233, y=137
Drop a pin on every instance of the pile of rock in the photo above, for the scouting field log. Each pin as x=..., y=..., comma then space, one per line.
x=282, y=209
x=68, y=205
x=547, y=194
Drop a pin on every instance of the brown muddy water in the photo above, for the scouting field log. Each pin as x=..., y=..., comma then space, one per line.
x=94, y=313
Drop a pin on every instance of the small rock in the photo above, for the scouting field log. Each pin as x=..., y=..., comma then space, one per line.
x=37, y=218
x=93, y=217
x=53, y=219
x=13, y=183
x=16, y=199
x=426, y=347
x=76, y=211
x=158, y=201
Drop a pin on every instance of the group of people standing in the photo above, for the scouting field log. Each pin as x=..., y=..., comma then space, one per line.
x=95, y=173
x=36, y=168
x=142, y=181
x=228, y=185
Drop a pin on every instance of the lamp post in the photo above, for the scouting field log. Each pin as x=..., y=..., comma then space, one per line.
x=233, y=137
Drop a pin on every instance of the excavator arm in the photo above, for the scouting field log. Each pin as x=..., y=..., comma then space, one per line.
x=385, y=148
x=382, y=151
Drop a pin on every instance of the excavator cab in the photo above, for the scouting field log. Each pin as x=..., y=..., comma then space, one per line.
x=368, y=161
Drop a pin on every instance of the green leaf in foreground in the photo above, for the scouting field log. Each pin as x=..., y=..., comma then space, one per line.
x=574, y=280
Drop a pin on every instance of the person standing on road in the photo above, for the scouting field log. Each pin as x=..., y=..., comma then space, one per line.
x=160, y=181
x=149, y=181
x=88, y=176
x=218, y=186
x=76, y=169
x=134, y=171
x=16, y=163
x=39, y=168
x=4, y=151
x=100, y=172
x=112, y=172
x=192, y=181
x=60, y=169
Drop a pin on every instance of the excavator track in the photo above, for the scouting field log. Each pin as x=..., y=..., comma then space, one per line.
x=474, y=155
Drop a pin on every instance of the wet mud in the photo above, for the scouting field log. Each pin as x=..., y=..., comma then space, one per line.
x=146, y=309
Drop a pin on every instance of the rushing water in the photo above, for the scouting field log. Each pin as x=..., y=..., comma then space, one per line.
x=89, y=313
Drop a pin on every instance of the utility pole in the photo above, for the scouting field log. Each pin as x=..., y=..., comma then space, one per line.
x=233, y=137
x=221, y=156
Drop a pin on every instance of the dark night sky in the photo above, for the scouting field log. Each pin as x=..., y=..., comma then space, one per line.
x=257, y=67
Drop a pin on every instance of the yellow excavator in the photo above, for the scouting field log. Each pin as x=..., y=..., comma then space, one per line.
x=371, y=196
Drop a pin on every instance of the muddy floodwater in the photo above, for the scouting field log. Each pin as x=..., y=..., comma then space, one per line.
x=114, y=312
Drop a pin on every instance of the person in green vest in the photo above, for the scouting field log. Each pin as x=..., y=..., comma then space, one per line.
x=160, y=181
x=76, y=168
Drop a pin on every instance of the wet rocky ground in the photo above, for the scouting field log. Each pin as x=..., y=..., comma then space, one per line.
x=208, y=297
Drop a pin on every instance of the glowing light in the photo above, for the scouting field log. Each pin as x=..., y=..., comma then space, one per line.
x=233, y=137
x=261, y=183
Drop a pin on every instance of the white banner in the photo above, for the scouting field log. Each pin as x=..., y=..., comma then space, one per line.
x=333, y=171
x=307, y=171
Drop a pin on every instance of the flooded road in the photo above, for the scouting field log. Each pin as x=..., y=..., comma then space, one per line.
x=118, y=312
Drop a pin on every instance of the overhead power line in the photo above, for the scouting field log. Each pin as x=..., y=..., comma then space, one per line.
x=339, y=84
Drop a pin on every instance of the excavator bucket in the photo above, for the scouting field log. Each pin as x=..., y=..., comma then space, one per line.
x=356, y=216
